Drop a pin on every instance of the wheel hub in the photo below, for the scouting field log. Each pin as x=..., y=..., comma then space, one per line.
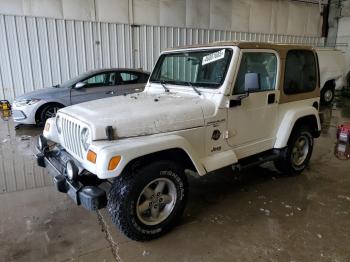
x=328, y=95
x=300, y=150
x=51, y=112
x=156, y=201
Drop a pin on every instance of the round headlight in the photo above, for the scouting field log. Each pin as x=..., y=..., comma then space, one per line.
x=71, y=170
x=85, y=138
x=58, y=124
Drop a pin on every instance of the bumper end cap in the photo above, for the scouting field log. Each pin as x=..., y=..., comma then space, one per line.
x=40, y=159
x=60, y=182
x=93, y=198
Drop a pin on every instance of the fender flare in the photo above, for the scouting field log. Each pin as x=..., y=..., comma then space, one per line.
x=133, y=148
x=288, y=122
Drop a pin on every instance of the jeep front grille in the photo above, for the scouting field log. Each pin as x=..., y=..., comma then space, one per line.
x=71, y=137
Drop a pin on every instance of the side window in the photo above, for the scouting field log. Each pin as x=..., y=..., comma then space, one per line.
x=129, y=78
x=264, y=64
x=105, y=79
x=300, y=73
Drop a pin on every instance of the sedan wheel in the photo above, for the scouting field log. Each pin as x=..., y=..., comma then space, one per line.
x=48, y=112
x=51, y=112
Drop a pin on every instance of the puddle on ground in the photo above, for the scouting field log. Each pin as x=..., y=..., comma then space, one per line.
x=18, y=169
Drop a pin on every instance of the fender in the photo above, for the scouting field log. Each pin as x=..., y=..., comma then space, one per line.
x=328, y=77
x=288, y=122
x=130, y=149
x=49, y=101
x=59, y=101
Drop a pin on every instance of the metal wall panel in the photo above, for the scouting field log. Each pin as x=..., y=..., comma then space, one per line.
x=38, y=52
x=150, y=40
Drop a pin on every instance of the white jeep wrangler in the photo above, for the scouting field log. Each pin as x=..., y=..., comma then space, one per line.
x=203, y=108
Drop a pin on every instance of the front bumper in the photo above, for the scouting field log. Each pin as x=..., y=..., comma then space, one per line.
x=83, y=190
x=25, y=114
x=18, y=115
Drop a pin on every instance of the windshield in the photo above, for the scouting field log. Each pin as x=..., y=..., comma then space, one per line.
x=204, y=68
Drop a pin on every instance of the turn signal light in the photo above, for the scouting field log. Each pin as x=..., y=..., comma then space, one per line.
x=47, y=127
x=91, y=156
x=113, y=163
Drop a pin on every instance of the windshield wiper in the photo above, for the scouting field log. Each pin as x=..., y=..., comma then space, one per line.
x=163, y=85
x=194, y=88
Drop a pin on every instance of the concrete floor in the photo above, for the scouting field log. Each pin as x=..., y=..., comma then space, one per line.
x=259, y=215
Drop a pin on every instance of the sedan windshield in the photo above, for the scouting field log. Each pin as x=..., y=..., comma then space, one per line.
x=204, y=68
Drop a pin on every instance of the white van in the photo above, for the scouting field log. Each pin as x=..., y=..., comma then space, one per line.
x=332, y=72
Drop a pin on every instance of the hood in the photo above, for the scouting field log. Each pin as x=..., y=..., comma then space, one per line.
x=45, y=93
x=141, y=114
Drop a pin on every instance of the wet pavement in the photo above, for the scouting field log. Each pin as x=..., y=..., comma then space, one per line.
x=259, y=215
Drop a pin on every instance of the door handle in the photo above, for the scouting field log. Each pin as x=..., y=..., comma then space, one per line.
x=271, y=98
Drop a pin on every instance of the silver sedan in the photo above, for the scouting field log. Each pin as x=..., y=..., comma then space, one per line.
x=37, y=106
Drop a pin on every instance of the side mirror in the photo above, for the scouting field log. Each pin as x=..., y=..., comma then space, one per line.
x=79, y=85
x=251, y=82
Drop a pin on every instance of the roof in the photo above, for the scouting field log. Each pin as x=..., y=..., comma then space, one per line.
x=248, y=45
x=117, y=69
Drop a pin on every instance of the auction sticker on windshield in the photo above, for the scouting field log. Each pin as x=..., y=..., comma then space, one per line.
x=213, y=57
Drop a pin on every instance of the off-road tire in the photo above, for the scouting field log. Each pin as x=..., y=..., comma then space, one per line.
x=327, y=94
x=285, y=164
x=125, y=192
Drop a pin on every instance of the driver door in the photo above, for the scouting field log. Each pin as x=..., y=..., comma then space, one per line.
x=252, y=119
x=98, y=86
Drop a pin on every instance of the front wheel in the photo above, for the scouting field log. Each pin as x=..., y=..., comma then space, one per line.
x=297, y=155
x=147, y=202
x=48, y=111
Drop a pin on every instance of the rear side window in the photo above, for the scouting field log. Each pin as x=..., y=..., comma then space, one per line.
x=133, y=78
x=300, y=73
x=129, y=77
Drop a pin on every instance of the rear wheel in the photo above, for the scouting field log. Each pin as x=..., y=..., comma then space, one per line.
x=297, y=155
x=327, y=94
x=147, y=202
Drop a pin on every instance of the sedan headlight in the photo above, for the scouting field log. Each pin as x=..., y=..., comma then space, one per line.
x=85, y=138
x=59, y=124
x=24, y=102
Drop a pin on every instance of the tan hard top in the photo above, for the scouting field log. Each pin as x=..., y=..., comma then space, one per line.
x=282, y=50
x=248, y=45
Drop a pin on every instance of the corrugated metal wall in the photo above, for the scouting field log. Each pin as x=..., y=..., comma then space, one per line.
x=40, y=52
x=37, y=52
